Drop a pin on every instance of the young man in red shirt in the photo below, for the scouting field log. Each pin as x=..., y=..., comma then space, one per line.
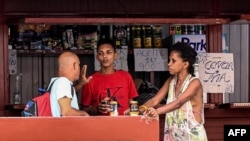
x=108, y=84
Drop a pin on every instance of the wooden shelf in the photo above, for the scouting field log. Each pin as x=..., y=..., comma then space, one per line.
x=235, y=105
x=57, y=52
x=207, y=21
x=15, y=107
x=54, y=52
x=209, y=106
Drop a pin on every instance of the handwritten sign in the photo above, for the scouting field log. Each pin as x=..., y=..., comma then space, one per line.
x=216, y=72
x=12, y=61
x=120, y=63
x=154, y=59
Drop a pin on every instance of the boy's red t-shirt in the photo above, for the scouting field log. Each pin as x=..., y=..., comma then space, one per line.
x=119, y=86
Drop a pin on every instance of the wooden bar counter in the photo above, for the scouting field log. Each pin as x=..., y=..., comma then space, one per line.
x=98, y=128
x=216, y=116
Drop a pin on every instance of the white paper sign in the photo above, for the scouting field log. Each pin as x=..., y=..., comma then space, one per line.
x=121, y=62
x=155, y=59
x=216, y=72
x=12, y=61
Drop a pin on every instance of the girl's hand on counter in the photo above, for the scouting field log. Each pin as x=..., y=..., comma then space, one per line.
x=152, y=112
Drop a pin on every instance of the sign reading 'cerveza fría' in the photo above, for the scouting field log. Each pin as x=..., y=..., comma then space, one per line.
x=216, y=72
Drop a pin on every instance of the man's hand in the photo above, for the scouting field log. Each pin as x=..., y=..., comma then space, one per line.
x=127, y=112
x=104, y=106
x=83, y=79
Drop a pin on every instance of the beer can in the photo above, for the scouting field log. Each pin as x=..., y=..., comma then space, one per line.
x=134, y=108
x=113, y=108
x=106, y=102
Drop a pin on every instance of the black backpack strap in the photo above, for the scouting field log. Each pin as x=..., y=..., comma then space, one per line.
x=50, y=86
x=72, y=90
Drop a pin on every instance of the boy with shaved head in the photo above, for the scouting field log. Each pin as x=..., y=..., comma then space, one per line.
x=63, y=98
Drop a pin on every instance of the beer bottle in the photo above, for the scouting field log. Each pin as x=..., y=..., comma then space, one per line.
x=136, y=36
x=157, y=37
x=147, y=36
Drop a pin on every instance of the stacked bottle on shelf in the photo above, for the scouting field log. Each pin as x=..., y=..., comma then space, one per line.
x=138, y=36
x=70, y=37
x=52, y=37
x=146, y=36
x=121, y=36
x=184, y=29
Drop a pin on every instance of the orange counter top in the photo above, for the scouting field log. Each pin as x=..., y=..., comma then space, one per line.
x=98, y=128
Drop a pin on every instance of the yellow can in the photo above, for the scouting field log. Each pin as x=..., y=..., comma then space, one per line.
x=134, y=108
x=113, y=108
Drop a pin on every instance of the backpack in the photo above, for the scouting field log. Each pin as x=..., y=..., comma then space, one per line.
x=146, y=91
x=40, y=105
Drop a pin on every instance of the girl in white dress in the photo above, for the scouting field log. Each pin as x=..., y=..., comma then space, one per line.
x=184, y=107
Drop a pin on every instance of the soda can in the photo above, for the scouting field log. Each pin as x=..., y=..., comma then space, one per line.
x=184, y=29
x=134, y=108
x=200, y=29
x=191, y=29
x=106, y=102
x=113, y=108
x=177, y=29
x=171, y=29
